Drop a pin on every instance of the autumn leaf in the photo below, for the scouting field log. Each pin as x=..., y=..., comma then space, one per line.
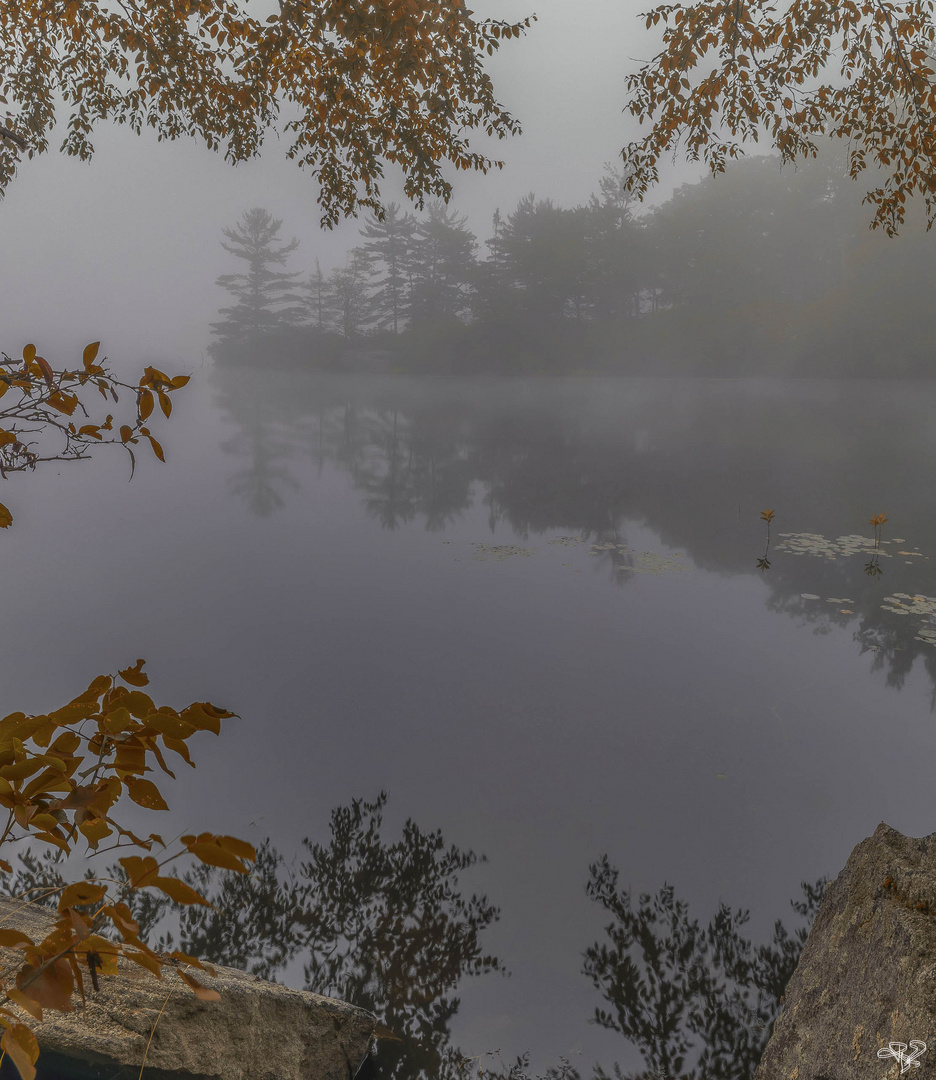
x=145, y=793
x=50, y=985
x=90, y=354
x=13, y=939
x=146, y=404
x=180, y=892
x=6, y=518
x=46, y=368
x=21, y=1045
x=64, y=403
x=80, y=893
x=201, y=991
x=135, y=676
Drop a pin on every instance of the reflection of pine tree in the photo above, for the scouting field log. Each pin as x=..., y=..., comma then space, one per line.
x=389, y=243
x=671, y=985
x=265, y=298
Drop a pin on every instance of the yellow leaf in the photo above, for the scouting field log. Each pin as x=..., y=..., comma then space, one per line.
x=146, y=403
x=126, y=433
x=150, y=963
x=80, y=893
x=6, y=518
x=94, y=831
x=145, y=793
x=29, y=354
x=179, y=381
x=179, y=891
x=140, y=871
x=164, y=403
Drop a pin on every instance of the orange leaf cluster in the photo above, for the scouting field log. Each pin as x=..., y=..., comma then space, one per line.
x=364, y=83
x=62, y=774
x=731, y=73
x=46, y=399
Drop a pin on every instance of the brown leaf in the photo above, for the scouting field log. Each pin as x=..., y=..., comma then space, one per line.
x=90, y=354
x=51, y=987
x=23, y=1049
x=13, y=939
x=202, y=992
x=134, y=675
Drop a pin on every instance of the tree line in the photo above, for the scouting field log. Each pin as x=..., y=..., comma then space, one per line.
x=764, y=271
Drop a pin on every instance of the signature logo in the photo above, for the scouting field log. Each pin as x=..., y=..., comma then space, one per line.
x=898, y=1051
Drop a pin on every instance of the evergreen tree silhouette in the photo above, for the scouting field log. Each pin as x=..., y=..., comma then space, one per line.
x=265, y=298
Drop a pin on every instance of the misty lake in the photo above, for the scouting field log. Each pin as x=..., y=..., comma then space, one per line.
x=535, y=613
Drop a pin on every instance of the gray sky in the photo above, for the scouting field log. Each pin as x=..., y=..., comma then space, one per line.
x=126, y=248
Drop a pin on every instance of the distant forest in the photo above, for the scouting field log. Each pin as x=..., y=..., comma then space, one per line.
x=761, y=271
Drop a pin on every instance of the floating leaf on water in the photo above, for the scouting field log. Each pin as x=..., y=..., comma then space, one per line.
x=720, y=776
x=809, y=596
x=846, y=611
x=898, y=540
x=567, y=541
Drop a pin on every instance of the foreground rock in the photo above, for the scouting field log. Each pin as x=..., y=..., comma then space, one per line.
x=866, y=979
x=257, y=1031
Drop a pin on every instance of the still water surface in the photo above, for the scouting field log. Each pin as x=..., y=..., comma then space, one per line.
x=532, y=612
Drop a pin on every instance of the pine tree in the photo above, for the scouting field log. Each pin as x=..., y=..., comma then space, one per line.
x=265, y=299
x=389, y=243
x=348, y=295
x=442, y=268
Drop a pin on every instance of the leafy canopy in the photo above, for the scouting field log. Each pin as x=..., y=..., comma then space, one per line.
x=357, y=82
x=859, y=70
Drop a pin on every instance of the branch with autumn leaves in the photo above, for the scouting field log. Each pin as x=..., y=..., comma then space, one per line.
x=49, y=399
x=61, y=776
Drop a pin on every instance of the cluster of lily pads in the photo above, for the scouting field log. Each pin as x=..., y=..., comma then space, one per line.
x=925, y=606
x=645, y=562
x=816, y=544
x=499, y=552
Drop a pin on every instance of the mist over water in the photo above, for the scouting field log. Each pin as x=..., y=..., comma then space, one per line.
x=535, y=556
x=531, y=611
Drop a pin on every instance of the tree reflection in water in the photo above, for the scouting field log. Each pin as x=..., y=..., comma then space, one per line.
x=385, y=926
x=671, y=987
x=586, y=461
x=381, y=924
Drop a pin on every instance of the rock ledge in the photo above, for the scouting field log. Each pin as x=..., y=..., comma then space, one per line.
x=257, y=1031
